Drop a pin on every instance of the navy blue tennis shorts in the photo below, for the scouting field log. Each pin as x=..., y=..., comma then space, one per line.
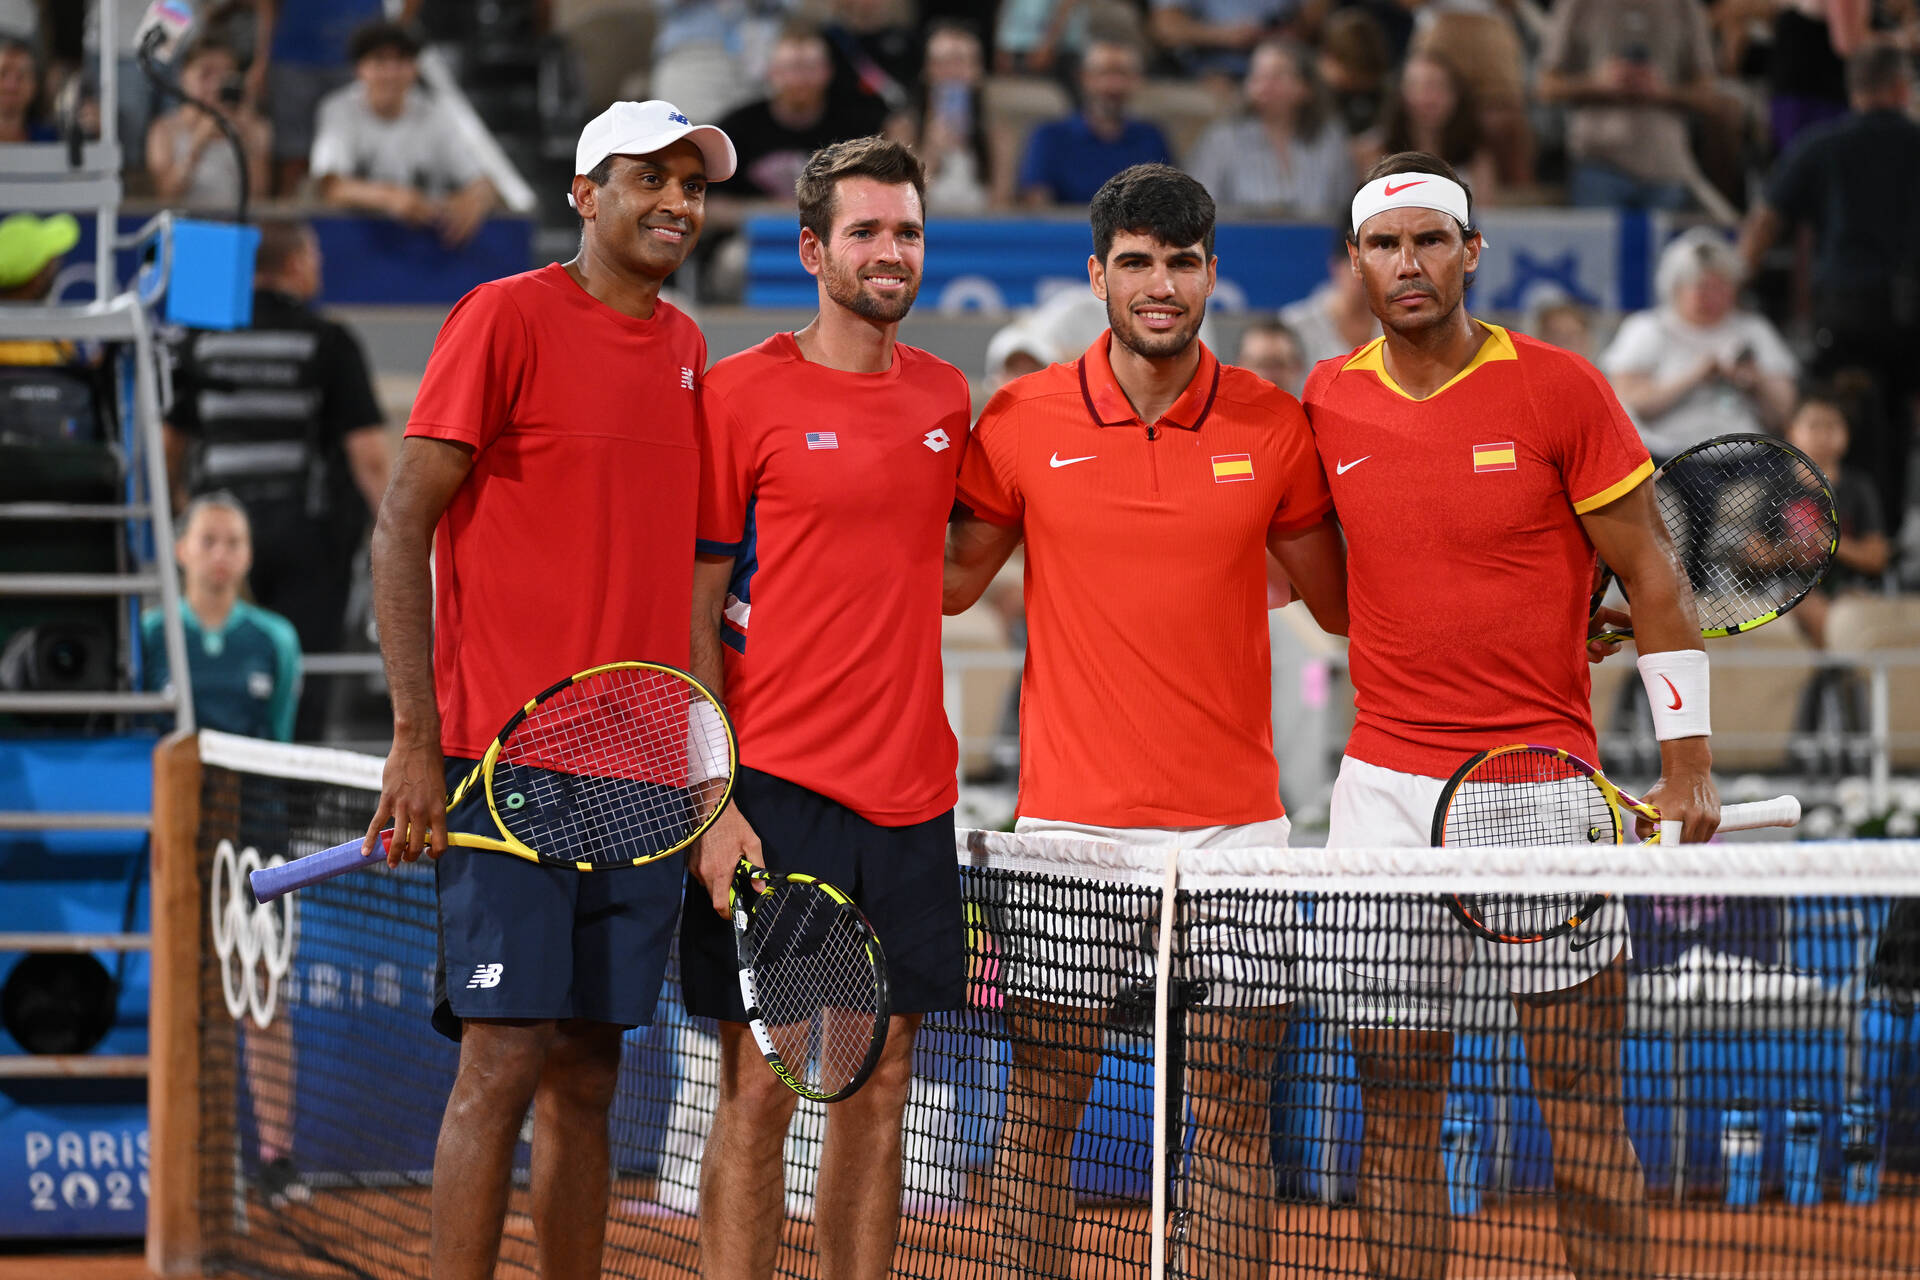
x=905, y=879
x=519, y=940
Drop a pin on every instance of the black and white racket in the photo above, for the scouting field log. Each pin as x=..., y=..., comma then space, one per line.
x=1754, y=522
x=813, y=979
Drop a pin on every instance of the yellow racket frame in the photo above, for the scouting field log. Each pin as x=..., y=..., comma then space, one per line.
x=740, y=903
x=482, y=774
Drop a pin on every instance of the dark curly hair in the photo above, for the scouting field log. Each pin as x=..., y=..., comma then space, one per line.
x=1157, y=200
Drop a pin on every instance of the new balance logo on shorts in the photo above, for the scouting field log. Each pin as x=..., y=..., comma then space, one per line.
x=486, y=975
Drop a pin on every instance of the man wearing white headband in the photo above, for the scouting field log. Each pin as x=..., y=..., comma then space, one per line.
x=1476, y=472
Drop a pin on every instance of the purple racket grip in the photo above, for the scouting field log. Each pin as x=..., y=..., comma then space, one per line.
x=270, y=882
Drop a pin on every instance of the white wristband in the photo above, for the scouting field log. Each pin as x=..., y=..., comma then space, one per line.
x=706, y=743
x=1678, y=692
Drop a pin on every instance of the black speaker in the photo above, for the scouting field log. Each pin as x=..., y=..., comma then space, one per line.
x=61, y=643
x=63, y=656
x=58, y=1002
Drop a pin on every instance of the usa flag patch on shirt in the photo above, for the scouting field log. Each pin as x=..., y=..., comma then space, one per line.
x=822, y=440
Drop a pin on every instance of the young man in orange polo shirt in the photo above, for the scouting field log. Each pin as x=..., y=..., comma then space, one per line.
x=1149, y=482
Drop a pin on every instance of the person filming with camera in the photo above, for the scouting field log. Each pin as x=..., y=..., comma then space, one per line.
x=192, y=163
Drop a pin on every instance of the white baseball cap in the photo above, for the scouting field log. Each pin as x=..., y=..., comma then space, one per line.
x=642, y=128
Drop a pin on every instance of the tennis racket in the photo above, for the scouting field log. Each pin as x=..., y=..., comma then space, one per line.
x=1753, y=521
x=813, y=979
x=613, y=767
x=1521, y=795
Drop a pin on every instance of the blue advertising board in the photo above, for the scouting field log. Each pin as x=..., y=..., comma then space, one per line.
x=73, y=1159
x=1601, y=257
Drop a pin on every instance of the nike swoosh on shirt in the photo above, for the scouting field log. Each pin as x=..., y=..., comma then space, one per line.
x=1341, y=468
x=1675, y=704
x=1057, y=461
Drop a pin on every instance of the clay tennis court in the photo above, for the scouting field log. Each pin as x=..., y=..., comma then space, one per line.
x=1512, y=1241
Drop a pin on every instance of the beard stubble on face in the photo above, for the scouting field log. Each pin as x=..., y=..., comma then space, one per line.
x=847, y=290
x=1412, y=324
x=1152, y=346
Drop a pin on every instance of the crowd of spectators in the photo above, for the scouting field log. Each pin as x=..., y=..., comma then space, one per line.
x=322, y=97
x=1275, y=104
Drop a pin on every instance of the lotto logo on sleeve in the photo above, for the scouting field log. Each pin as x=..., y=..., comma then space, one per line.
x=1232, y=466
x=1494, y=457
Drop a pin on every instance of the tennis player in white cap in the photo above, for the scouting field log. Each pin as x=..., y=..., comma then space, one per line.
x=551, y=469
x=1475, y=472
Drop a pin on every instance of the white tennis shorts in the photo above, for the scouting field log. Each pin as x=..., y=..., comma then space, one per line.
x=1402, y=960
x=1084, y=943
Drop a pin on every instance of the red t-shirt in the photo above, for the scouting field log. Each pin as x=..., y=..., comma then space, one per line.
x=1468, y=570
x=1146, y=699
x=570, y=542
x=831, y=490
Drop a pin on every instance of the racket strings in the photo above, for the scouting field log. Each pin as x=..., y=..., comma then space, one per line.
x=1520, y=799
x=1754, y=525
x=614, y=768
x=817, y=987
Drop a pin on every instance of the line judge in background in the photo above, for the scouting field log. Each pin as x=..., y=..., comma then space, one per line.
x=1475, y=473
x=1149, y=482
x=243, y=663
x=538, y=524
x=827, y=479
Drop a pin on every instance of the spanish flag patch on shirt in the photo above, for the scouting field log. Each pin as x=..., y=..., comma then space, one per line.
x=1232, y=466
x=1493, y=457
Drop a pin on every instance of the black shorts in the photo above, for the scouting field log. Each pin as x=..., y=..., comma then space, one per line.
x=519, y=939
x=906, y=880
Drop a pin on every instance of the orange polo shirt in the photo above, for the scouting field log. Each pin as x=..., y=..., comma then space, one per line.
x=1146, y=699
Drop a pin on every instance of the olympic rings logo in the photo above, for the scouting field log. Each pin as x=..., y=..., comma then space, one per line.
x=253, y=940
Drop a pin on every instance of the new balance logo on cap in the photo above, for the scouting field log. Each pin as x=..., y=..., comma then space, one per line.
x=486, y=975
x=677, y=118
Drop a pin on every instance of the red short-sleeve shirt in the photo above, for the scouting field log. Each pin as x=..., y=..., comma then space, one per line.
x=570, y=543
x=1146, y=699
x=831, y=491
x=1468, y=570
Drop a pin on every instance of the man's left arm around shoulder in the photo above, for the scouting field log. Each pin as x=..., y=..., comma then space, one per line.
x=1632, y=538
x=1315, y=559
x=976, y=549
